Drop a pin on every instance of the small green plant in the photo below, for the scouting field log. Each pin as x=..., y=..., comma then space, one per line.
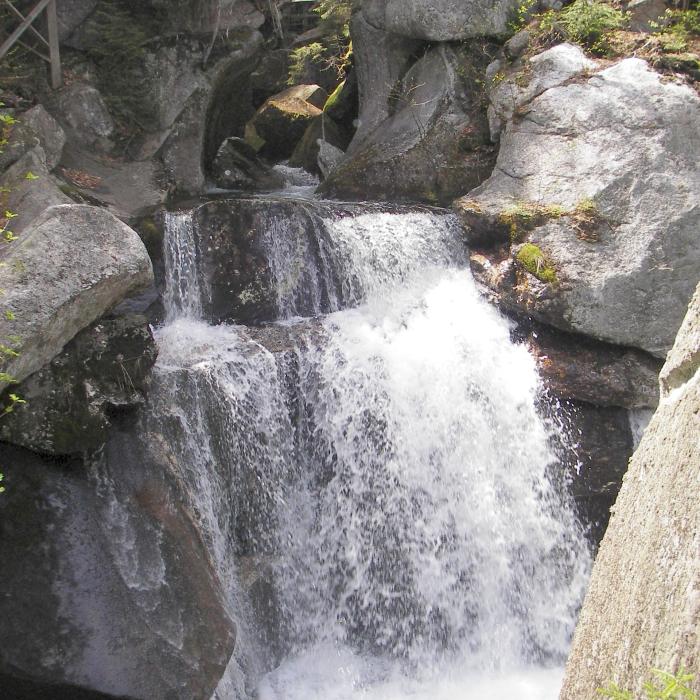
x=676, y=29
x=586, y=22
x=525, y=216
x=301, y=58
x=665, y=686
x=521, y=15
x=536, y=263
x=31, y=176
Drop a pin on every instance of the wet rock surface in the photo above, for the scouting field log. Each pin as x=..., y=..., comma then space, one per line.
x=103, y=371
x=109, y=585
x=238, y=167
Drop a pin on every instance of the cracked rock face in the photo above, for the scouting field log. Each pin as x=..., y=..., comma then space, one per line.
x=70, y=266
x=616, y=150
x=433, y=144
x=440, y=20
x=642, y=609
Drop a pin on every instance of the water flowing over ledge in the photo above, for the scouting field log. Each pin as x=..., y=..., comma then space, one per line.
x=373, y=462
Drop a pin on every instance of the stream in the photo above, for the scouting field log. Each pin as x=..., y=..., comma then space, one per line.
x=372, y=475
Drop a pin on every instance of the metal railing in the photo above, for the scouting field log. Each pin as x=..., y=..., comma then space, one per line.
x=50, y=42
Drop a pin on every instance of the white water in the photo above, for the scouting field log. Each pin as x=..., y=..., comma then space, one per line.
x=392, y=472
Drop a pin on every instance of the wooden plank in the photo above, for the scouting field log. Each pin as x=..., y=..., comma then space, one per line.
x=10, y=41
x=54, y=52
x=36, y=33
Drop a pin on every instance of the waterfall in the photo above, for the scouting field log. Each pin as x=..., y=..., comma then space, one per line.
x=182, y=292
x=375, y=483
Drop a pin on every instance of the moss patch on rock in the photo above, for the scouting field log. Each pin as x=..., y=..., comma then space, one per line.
x=534, y=261
x=526, y=216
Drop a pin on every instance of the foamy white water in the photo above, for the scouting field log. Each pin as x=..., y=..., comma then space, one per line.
x=391, y=471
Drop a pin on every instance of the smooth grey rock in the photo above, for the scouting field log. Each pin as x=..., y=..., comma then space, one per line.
x=68, y=401
x=509, y=93
x=237, y=166
x=108, y=585
x=329, y=158
x=35, y=127
x=642, y=609
x=630, y=142
x=683, y=361
x=84, y=110
x=374, y=12
x=380, y=61
x=29, y=190
x=48, y=132
x=67, y=269
x=448, y=20
x=433, y=147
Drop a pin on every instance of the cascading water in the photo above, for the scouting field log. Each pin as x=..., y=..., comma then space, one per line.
x=384, y=475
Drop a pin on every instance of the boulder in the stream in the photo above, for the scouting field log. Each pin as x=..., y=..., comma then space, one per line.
x=595, y=189
x=69, y=402
x=641, y=611
x=238, y=167
x=322, y=128
x=280, y=123
x=108, y=586
x=69, y=266
x=434, y=146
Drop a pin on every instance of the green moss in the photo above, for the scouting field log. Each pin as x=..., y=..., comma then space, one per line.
x=334, y=97
x=525, y=216
x=536, y=263
x=253, y=138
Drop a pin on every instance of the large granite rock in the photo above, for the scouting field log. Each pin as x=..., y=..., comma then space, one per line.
x=280, y=123
x=35, y=127
x=108, y=586
x=598, y=176
x=641, y=610
x=441, y=20
x=237, y=167
x=207, y=107
x=28, y=189
x=381, y=60
x=433, y=147
x=84, y=111
x=67, y=269
x=103, y=370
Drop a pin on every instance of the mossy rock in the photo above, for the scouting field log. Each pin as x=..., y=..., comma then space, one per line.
x=534, y=261
x=283, y=119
